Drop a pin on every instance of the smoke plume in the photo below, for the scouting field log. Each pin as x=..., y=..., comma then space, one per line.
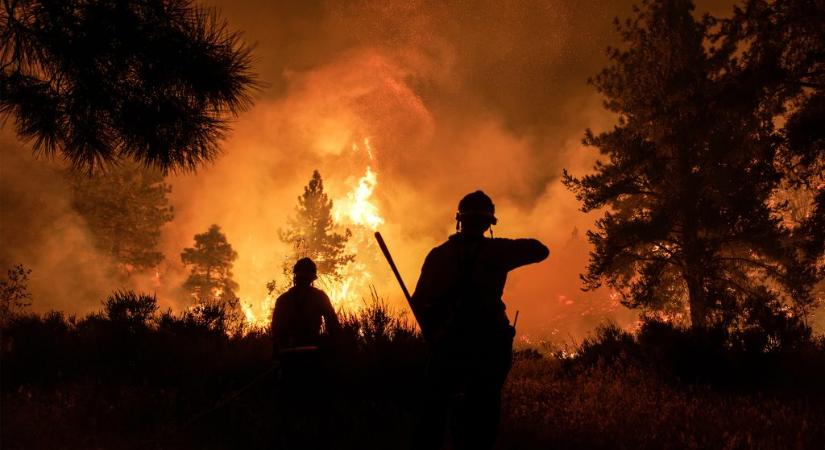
x=438, y=99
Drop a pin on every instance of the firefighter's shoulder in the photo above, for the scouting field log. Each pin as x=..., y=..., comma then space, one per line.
x=442, y=250
x=285, y=295
x=318, y=293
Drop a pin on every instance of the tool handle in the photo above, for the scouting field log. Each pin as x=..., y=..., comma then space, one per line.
x=387, y=255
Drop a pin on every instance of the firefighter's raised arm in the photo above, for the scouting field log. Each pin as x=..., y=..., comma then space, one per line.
x=513, y=253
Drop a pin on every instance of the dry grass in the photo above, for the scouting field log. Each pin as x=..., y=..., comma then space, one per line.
x=94, y=383
x=628, y=407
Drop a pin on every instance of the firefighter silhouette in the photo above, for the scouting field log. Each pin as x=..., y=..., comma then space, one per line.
x=304, y=327
x=462, y=316
x=300, y=312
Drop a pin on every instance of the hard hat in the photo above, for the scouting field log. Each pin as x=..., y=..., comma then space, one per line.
x=476, y=204
x=305, y=265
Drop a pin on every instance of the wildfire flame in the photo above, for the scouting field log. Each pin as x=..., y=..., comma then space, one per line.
x=261, y=317
x=357, y=207
x=358, y=211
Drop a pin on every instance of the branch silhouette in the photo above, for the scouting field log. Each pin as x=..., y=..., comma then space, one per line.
x=94, y=82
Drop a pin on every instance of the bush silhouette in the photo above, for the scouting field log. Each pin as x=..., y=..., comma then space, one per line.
x=142, y=385
x=133, y=310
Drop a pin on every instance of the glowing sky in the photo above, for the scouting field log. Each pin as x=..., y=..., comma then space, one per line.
x=452, y=97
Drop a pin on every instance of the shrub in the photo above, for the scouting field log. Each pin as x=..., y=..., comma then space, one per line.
x=131, y=309
x=610, y=344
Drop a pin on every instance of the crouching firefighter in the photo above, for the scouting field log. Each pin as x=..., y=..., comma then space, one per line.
x=299, y=317
x=458, y=304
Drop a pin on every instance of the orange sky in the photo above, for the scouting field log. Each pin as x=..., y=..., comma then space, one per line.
x=452, y=96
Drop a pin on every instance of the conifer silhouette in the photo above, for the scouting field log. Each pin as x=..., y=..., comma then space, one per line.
x=96, y=81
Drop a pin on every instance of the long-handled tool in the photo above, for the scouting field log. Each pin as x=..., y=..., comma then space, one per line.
x=387, y=255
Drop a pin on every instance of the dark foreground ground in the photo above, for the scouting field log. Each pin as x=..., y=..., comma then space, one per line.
x=171, y=382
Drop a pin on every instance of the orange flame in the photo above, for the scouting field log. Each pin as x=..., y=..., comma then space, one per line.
x=357, y=208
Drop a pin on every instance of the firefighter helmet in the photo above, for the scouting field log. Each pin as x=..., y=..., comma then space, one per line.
x=305, y=266
x=476, y=204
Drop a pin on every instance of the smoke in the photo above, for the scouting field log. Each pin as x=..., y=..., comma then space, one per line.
x=439, y=99
x=40, y=230
x=451, y=98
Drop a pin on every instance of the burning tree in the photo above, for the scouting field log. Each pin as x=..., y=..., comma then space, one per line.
x=311, y=232
x=689, y=173
x=210, y=278
x=125, y=208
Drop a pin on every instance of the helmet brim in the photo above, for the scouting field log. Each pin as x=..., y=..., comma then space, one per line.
x=475, y=213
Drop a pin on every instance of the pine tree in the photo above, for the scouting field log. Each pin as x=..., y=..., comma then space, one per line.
x=125, y=208
x=97, y=81
x=210, y=277
x=688, y=174
x=784, y=58
x=311, y=232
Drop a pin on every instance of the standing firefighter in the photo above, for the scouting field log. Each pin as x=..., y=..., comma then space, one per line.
x=300, y=316
x=458, y=304
x=297, y=323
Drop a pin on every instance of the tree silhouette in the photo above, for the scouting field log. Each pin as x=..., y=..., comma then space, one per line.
x=210, y=277
x=126, y=207
x=99, y=81
x=689, y=172
x=785, y=60
x=311, y=232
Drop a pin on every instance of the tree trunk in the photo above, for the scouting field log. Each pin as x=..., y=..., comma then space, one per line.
x=693, y=273
x=696, y=302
